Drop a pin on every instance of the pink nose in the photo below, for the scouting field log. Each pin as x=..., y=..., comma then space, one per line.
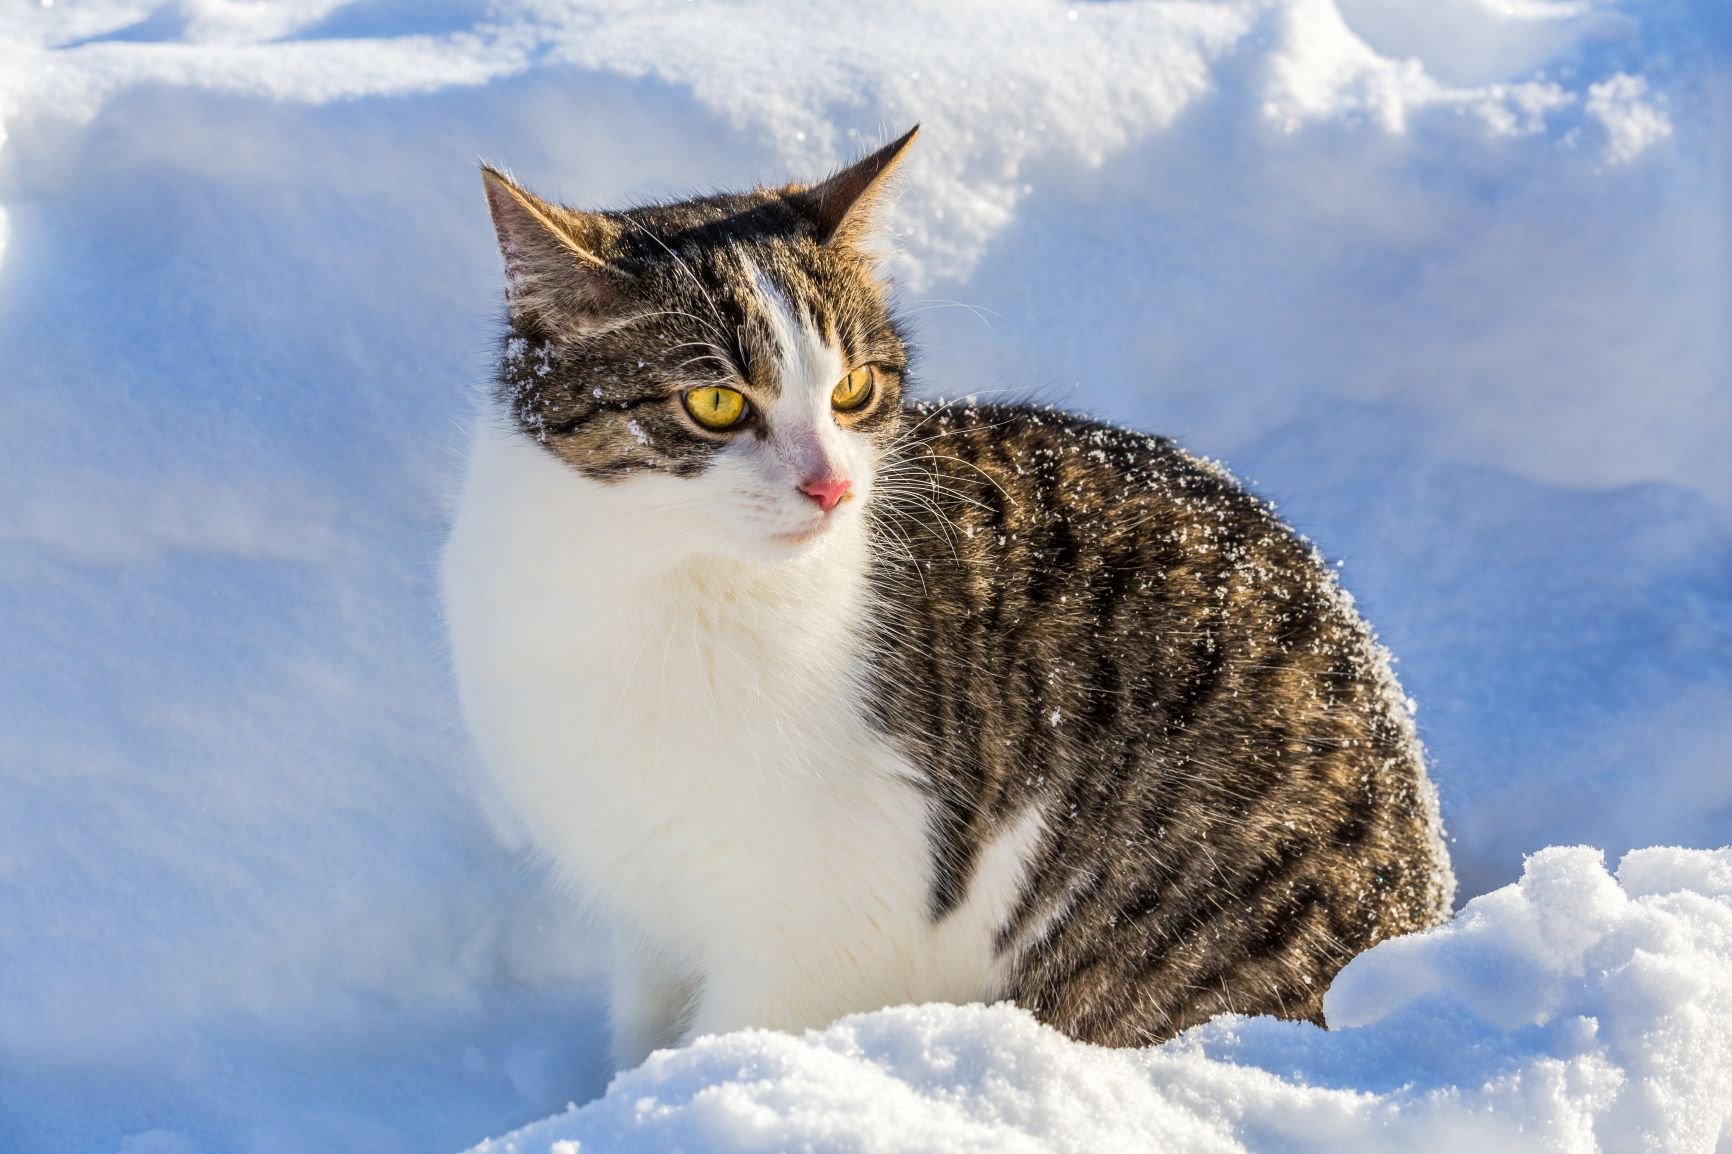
x=827, y=491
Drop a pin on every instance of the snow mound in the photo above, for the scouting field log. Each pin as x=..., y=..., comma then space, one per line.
x=1572, y=1011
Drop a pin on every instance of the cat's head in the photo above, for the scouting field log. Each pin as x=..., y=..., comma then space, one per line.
x=728, y=367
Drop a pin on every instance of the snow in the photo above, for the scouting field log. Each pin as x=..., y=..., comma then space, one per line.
x=1573, y=1011
x=1448, y=280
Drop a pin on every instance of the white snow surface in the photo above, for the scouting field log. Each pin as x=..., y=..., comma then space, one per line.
x=1573, y=1011
x=1448, y=280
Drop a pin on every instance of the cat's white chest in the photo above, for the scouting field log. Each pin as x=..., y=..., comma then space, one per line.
x=688, y=748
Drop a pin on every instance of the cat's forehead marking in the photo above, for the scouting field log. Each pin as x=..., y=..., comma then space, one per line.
x=806, y=362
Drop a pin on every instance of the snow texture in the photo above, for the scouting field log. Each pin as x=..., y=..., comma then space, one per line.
x=1447, y=280
x=1573, y=1011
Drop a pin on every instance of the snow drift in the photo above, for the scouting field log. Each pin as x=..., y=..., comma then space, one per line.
x=1448, y=280
x=1571, y=1012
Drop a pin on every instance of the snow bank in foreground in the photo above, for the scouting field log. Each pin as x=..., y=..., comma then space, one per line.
x=1573, y=1011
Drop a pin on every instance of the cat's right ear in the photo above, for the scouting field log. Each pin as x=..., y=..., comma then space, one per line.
x=556, y=267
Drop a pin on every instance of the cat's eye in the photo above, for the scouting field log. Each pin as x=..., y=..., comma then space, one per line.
x=853, y=390
x=716, y=406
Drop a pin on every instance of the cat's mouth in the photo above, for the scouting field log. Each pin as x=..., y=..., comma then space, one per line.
x=802, y=536
x=796, y=538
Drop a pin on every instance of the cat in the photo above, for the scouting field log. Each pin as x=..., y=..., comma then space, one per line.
x=826, y=699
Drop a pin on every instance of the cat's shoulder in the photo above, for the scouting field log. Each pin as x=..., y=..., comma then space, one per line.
x=1078, y=457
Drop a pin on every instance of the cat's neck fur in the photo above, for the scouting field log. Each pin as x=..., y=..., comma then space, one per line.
x=685, y=735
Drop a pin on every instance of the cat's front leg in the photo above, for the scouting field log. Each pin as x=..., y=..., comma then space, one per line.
x=723, y=1007
x=651, y=998
x=767, y=996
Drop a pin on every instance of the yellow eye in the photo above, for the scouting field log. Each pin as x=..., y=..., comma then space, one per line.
x=853, y=390
x=715, y=407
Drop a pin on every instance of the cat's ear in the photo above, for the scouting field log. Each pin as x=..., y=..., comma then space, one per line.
x=556, y=268
x=841, y=207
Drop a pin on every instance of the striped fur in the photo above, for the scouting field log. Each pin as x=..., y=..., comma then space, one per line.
x=1101, y=624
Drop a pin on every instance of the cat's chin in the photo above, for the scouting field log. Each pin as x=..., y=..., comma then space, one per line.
x=801, y=538
x=774, y=548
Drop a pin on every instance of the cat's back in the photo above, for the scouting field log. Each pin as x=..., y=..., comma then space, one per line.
x=1089, y=620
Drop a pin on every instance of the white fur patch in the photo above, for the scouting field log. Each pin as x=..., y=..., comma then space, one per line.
x=809, y=365
x=679, y=734
x=805, y=432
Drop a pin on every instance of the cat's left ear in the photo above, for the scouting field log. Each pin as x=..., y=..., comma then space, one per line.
x=841, y=207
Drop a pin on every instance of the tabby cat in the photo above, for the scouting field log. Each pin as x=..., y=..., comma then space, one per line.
x=826, y=699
